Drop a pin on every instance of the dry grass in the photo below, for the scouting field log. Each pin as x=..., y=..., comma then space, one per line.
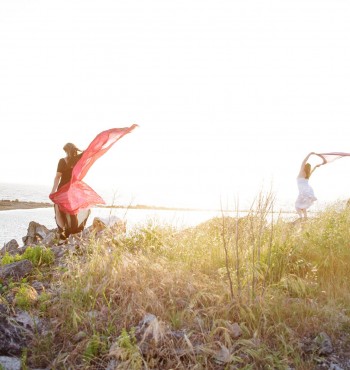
x=290, y=283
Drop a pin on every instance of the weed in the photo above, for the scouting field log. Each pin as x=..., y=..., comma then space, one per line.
x=277, y=280
x=25, y=296
x=38, y=255
x=95, y=346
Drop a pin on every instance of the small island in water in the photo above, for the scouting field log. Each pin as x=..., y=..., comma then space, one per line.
x=7, y=205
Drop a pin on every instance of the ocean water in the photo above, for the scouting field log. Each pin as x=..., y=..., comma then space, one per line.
x=24, y=192
x=14, y=223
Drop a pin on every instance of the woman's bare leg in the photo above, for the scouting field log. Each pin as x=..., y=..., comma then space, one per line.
x=300, y=213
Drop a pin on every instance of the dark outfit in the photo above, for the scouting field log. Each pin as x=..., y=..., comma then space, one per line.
x=66, y=170
x=71, y=222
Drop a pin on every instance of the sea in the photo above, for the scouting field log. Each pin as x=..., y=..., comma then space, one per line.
x=14, y=223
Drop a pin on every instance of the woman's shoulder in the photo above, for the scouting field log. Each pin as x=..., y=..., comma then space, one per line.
x=62, y=164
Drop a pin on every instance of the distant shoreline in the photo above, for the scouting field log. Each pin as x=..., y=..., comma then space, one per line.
x=8, y=205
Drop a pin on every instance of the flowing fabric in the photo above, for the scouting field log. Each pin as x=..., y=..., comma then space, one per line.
x=332, y=156
x=306, y=195
x=77, y=195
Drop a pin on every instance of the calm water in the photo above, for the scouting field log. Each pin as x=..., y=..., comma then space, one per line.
x=30, y=193
x=14, y=223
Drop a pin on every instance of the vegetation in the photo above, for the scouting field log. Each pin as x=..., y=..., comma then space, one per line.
x=38, y=255
x=231, y=293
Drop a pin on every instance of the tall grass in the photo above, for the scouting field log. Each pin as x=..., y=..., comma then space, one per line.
x=277, y=282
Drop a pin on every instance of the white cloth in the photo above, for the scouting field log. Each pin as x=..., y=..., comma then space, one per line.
x=306, y=195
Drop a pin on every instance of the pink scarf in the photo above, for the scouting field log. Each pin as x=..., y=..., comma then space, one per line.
x=76, y=195
x=332, y=156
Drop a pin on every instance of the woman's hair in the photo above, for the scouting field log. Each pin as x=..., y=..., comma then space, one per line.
x=72, y=154
x=307, y=169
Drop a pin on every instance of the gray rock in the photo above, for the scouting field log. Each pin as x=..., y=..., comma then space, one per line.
x=17, y=329
x=113, y=223
x=10, y=363
x=10, y=247
x=16, y=270
x=58, y=251
x=22, y=249
x=27, y=321
x=145, y=322
x=13, y=337
x=79, y=337
x=112, y=365
x=38, y=286
x=142, y=333
x=235, y=330
x=335, y=367
x=4, y=310
x=35, y=233
x=50, y=239
x=324, y=344
x=178, y=334
x=93, y=314
x=150, y=329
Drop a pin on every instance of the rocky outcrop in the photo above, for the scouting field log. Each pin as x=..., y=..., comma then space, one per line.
x=17, y=327
x=35, y=233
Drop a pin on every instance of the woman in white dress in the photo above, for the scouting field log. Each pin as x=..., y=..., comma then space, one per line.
x=306, y=195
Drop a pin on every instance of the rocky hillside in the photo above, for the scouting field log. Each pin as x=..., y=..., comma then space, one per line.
x=228, y=294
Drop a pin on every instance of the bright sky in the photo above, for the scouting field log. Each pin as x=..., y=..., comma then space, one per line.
x=229, y=95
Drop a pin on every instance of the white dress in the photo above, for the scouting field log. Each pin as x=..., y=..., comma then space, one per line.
x=306, y=195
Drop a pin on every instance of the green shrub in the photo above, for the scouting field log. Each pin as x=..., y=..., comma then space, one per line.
x=8, y=258
x=39, y=255
x=26, y=296
x=95, y=346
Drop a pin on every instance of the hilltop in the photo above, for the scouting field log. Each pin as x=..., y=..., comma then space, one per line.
x=231, y=293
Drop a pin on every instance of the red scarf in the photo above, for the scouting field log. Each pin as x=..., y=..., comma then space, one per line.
x=76, y=195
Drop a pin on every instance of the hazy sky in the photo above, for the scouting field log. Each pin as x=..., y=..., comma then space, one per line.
x=229, y=95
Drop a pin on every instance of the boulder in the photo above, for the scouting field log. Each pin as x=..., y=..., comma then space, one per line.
x=10, y=247
x=16, y=270
x=35, y=233
x=113, y=223
x=29, y=322
x=50, y=238
x=13, y=337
